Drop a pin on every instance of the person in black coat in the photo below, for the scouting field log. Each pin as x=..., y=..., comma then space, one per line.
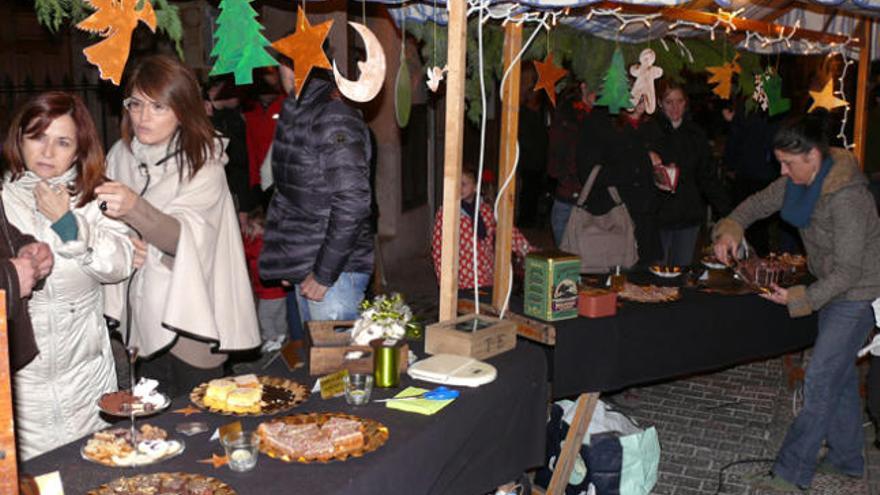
x=683, y=143
x=621, y=146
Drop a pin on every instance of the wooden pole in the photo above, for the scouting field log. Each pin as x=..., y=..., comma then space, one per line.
x=8, y=461
x=860, y=127
x=452, y=151
x=571, y=447
x=507, y=156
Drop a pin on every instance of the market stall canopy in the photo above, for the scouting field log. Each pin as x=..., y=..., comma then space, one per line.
x=640, y=21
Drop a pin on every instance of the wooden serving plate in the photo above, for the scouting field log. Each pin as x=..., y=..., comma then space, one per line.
x=279, y=395
x=375, y=436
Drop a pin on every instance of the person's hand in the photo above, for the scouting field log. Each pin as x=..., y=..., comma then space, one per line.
x=656, y=160
x=115, y=199
x=724, y=248
x=26, y=270
x=140, y=252
x=312, y=290
x=40, y=254
x=52, y=201
x=728, y=114
x=777, y=294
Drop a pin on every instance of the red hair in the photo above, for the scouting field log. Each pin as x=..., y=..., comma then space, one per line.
x=34, y=118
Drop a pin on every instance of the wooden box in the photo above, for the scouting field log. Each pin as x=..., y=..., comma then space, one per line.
x=330, y=344
x=471, y=335
x=597, y=303
x=551, y=285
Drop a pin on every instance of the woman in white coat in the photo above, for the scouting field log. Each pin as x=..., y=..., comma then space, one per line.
x=191, y=302
x=54, y=161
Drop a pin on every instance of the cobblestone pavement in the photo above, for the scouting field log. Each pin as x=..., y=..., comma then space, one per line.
x=705, y=422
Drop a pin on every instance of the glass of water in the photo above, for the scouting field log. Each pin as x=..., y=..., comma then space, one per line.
x=358, y=387
x=241, y=450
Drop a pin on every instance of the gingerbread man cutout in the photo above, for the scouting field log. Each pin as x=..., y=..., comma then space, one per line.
x=645, y=73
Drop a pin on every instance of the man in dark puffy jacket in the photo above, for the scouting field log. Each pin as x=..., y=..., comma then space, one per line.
x=318, y=234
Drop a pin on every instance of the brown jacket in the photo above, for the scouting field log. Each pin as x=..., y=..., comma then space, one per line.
x=842, y=239
x=22, y=346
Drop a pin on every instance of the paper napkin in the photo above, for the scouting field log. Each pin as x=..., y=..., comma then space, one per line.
x=421, y=406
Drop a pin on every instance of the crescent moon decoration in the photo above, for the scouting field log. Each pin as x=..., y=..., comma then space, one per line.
x=372, y=69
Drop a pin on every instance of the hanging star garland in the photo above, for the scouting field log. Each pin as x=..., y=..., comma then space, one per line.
x=186, y=411
x=548, y=74
x=306, y=48
x=115, y=20
x=722, y=77
x=826, y=98
x=215, y=460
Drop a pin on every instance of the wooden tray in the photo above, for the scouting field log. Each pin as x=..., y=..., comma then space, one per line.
x=375, y=436
x=669, y=298
x=279, y=395
x=130, y=484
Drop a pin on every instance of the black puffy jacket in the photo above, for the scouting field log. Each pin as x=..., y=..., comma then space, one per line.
x=319, y=218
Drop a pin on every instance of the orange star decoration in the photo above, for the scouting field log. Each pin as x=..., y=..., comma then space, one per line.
x=114, y=20
x=548, y=74
x=305, y=48
x=722, y=77
x=186, y=411
x=216, y=460
x=825, y=98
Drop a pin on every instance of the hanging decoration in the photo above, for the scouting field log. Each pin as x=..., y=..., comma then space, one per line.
x=760, y=95
x=645, y=72
x=115, y=21
x=402, y=93
x=548, y=74
x=722, y=77
x=826, y=98
x=372, y=69
x=240, y=46
x=615, y=88
x=306, y=48
x=435, y=76
x=776, y=103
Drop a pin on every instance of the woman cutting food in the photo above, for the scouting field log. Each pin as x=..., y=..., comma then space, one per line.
x=824, y=194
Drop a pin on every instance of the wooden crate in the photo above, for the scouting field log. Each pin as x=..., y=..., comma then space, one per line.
x=454, y=337
x=328, y=348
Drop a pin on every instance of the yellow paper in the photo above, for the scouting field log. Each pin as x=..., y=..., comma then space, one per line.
x=332, y=384
x=50, y=483
x=421, y=406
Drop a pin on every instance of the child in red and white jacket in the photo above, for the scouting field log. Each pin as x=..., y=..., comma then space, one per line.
x=271, y=300
x=485, y=266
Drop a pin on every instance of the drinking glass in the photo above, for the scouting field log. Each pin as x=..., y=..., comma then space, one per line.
x=241, y=450
x=358, y=387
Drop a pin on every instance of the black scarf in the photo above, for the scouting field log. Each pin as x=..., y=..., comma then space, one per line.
x=468, y=208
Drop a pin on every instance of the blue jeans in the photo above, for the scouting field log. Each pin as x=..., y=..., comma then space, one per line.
x=678, y=245
x=341, y=301
x=294, y=321
x=559, y=218
x=832, y=408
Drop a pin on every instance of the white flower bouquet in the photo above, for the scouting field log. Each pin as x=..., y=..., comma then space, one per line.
x=383, y=317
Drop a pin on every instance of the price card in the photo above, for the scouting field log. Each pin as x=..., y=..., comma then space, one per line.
x=226, y=430
x=332, y=385
x=50, y=483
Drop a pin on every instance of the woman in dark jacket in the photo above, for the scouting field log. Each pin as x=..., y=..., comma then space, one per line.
x=621, y=146
x=683, y=143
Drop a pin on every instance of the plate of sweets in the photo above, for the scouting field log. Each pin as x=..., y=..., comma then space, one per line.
x=113, y=447
x=665, y=271
x=143, y=401
x=710, y=261
x=649, y=293
x=249, y=395
x=320, y=437
x=157, y=483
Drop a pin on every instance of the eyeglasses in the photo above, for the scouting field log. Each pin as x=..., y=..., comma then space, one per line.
x=136, y=106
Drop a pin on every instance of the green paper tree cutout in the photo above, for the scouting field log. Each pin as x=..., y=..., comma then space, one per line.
x=615, y=86
x=776, y=104
x=240, y=44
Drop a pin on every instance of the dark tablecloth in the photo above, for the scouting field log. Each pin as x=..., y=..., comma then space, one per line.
x=644, y=343
x=487, y=437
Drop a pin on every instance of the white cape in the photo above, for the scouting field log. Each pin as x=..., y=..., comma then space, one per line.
x=204, y=290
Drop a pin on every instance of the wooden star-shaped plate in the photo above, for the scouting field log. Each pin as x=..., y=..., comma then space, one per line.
x=826, y=98
x=215, y=460
x=186, y=411
x=306, y=48
x=548, y=74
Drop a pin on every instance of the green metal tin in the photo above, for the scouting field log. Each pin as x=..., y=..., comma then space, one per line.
x=386, y=362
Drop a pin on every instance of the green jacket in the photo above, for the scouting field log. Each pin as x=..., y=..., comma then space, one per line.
x=842, y=239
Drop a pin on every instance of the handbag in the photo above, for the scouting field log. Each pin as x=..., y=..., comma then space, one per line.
x=602, y=241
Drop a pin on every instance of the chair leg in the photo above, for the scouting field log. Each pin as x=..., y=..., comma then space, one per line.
x=586, y=404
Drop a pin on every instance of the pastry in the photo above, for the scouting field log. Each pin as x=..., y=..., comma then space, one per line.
x=217, y=391
x=244, y=400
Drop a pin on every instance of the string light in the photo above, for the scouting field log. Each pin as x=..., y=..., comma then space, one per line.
x=624, y=19
x=841, y=134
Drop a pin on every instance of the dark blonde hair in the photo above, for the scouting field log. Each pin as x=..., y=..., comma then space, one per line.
x=36, y=116
x=166, y=80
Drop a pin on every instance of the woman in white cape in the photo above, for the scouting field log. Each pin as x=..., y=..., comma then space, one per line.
x=192, y=300
x=54, y=162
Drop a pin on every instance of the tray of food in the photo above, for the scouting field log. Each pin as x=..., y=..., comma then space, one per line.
x=113, y=447
x=665, y=271
x=320, y=437
x=710, y=261
x=649, y=293
x=176, y=483
x=249, y=395
x=144, y=400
